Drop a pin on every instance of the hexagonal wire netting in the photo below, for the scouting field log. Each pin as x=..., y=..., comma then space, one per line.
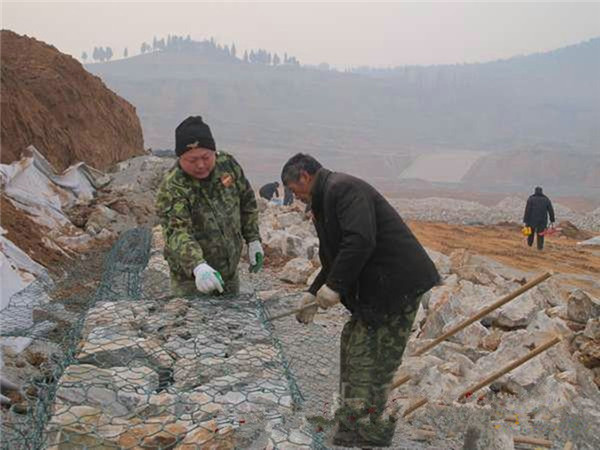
x=126, y=364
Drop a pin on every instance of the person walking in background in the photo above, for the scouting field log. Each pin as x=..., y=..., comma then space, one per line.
x=206, y=207
x=373, y=264
x=269, y=190
x=288, y=196
x=537, y=210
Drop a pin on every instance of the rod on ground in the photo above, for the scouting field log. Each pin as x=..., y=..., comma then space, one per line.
x=542, y=348
x=400, y=381
x=467, y=393
x=532, y=441
x=484, y=312
x=289, y=313
x=414, y=406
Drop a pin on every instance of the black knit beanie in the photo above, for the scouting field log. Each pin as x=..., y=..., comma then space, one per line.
x=192, y=132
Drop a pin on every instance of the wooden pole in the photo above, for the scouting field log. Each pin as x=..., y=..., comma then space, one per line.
x=543, y=347
x=289, y=313
x=484, y=312
x=400, y=381
x=532, y=441
x=414, y=406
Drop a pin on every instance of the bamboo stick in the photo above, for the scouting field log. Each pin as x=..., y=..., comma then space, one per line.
x=482, y=313
x=543, y=347
x=533, y=441
x=294, y=311
x=414, y=406
x=400, y=381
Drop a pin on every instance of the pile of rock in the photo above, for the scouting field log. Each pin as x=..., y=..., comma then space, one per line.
x=548, y=394
x=288, y=232
x=562, y=382
x=467, y=212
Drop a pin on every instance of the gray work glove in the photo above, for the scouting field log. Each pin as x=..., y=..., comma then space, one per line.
x=327, y=297
x=307, y=315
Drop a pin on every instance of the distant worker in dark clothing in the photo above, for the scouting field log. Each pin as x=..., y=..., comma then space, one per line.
x=288, y=196
x=537, y=210
x=269, y=190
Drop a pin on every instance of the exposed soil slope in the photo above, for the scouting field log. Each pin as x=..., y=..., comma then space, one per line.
x=49, y=100
x=579, y=265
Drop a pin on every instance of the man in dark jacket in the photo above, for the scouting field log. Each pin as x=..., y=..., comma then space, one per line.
x=537, y=210
x=269, y=190
x=372, y=264
x=288, y=196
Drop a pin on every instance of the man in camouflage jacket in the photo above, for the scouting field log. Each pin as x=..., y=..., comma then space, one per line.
x=207, y=208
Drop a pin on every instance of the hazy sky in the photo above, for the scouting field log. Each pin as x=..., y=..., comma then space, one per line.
x=340, y=33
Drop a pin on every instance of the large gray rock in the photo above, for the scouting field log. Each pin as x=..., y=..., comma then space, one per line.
x=288, y=219
x=519, y=312
x=106, y=348
x=454, y=304
x=592, y=329
x=486, y=435
x=470, y=336
x=297, y=271
x=116, y=391
x=441, y=261
x=527, y=376
x=581, y=307
x=481, y=269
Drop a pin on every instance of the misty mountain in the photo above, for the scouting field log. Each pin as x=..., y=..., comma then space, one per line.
x=547, y=102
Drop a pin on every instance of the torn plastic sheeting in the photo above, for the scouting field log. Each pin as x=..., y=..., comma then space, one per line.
x=32, y=178
x=18, y=270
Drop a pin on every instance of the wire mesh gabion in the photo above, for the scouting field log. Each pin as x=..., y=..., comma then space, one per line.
x=123, y=363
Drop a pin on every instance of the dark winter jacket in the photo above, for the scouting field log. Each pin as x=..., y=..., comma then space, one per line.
x=537, y=210
x=288, y=196
x=367, y=252
x=268, y=190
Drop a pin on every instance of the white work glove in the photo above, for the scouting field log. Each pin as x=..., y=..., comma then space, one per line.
x=256, y=256
x=207, y=279
x=307, y=315
x=327, y=297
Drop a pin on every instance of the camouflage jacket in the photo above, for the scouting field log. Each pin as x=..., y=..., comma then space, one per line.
x=205, y=220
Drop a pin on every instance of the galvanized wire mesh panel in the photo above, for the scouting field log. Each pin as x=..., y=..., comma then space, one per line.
x=136, y=367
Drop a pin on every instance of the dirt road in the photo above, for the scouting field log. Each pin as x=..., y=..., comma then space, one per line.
x=578, y=265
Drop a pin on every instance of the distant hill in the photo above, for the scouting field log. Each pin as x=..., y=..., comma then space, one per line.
x=547, y=102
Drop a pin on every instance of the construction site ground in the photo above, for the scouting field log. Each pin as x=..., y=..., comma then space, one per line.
x=574, y=264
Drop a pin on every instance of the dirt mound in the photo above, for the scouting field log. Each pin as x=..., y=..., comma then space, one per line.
x=29, y=237
x=49, y=100
x=571, y=231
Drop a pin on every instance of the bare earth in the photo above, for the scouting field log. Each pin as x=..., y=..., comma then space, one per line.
x=578, y=265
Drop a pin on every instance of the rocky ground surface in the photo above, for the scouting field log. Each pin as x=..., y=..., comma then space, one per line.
x=465, y=212
x=156, y=371
x=554, y=396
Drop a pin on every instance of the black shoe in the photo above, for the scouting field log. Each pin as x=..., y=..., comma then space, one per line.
x=353, y=439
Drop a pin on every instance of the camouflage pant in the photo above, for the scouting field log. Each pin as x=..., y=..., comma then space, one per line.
x=369, y=358
x=186, y=287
